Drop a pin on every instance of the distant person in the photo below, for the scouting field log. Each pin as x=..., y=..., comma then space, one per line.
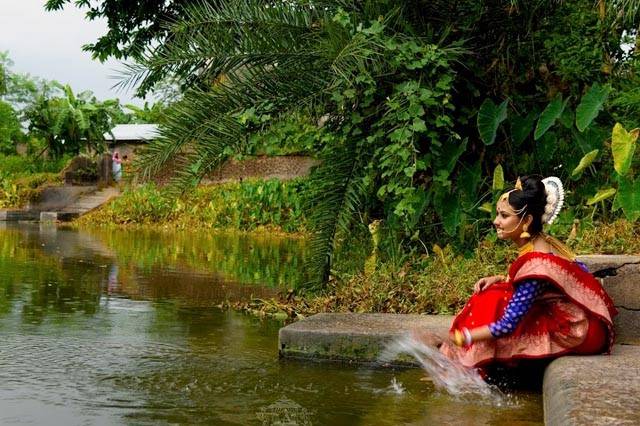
x=116, y=166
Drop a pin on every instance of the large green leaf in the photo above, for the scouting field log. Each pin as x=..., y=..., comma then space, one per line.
x=628, y=197
x=590, y=105
x=498, y=178
x=521, y=127
x=585, y=162
x=623, y=145
x=489, y=118
x=549, y=116
x=601, y=195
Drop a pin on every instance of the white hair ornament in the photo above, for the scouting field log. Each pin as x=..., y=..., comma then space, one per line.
x=555, y=199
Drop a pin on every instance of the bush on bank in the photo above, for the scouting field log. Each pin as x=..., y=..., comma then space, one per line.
x=244, y=206
x=22, y=178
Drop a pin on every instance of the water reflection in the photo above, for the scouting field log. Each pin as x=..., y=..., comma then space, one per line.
x=108, y=327
x=66, y=270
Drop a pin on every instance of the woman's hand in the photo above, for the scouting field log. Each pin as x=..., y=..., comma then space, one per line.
x=486, y=282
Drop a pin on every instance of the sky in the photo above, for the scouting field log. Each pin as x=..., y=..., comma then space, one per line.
x=49, y=45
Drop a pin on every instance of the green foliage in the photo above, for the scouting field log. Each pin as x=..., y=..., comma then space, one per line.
x=498, y=178
x=585, y=162
x=133, y=25
x=395, y=91
x=601, y=195
x=70, y=122
x=19, y=90
x=10, y=129
x=489, y=118
x=293, y=134
x=628, y=197
x=551, y=113
x=242, y=206
x=590, y=105
x=623, y=145
x=22, y=178
x=151, y=114
x=573, y=39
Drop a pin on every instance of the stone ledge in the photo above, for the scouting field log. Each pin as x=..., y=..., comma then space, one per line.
x=600, y=262
x=594, y=390
x=627, y=326
x=351, y=337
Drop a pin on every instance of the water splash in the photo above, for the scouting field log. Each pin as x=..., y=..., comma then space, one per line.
x=396, y=387
x=445, y=374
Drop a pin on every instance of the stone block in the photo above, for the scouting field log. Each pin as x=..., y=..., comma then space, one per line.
x=352, y=337
x=601, y=262
x=624, y=286
x=48, y=216
x=627, y=326
x=593, y=390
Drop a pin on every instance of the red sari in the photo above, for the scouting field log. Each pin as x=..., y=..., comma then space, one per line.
x=574, y=315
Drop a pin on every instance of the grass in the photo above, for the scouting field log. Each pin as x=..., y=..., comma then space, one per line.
x=251, y=205
x=436, y=284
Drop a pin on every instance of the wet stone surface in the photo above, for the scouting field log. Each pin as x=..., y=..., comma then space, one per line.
x=353, y=337
x=594, y=390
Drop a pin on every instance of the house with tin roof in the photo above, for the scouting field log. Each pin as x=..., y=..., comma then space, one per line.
x=128, y=139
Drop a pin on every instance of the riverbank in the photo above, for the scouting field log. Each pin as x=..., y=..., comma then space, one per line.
x=439, y=283
x=437, y=280
x=251, y=205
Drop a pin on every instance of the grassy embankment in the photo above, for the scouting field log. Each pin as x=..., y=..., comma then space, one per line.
x=249, y=206
x=435, y=282
x=439, y=283
x=22, y=178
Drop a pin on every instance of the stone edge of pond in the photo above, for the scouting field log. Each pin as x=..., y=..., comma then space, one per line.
x=594, y=390
x=353, y=338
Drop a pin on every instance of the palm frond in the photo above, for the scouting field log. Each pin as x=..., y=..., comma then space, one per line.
x=337, y=193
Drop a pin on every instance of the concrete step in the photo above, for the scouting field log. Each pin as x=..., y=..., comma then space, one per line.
x=620, y=277
x=87, y=203
x=62, y=204
x=351, y=337
x=593, y=390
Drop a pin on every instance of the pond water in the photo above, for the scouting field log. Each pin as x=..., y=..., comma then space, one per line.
x=121, y=327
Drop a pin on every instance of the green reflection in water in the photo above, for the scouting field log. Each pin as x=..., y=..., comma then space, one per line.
x=91, y=334
x=275, y=262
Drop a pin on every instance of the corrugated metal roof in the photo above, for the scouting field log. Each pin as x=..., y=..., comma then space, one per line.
x=133, y=132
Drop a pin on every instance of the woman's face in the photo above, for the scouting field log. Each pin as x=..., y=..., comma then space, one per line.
x=508, y=224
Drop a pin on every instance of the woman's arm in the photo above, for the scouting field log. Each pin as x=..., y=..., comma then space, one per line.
x=520, y=303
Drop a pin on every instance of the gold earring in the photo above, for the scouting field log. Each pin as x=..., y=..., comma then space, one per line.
x=525, y=234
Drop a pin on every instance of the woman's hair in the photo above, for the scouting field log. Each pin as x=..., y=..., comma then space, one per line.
x=534, y=197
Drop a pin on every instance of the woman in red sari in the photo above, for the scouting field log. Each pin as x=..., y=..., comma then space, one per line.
x=548, y=305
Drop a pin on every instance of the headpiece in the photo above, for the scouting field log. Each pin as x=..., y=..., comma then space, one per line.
x=518, y=184
x=505, y=197
x=555, y=199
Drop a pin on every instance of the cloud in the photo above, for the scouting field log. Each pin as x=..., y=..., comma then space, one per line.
x=49, y=45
